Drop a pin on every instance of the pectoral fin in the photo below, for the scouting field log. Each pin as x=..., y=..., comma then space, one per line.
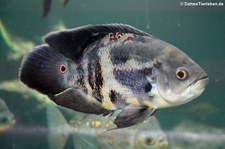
x=132, y=115
x=76, y=99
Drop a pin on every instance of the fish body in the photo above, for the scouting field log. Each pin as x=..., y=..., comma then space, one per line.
x=100, y=69
x=88, y=131
x=7, y=119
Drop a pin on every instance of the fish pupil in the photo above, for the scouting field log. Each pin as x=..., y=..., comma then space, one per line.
x=181, y=74
x=148, y=87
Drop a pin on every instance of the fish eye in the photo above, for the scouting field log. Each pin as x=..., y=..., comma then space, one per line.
x=181, y=73
x=4, y=119
x=62, y=68
x=149, y=141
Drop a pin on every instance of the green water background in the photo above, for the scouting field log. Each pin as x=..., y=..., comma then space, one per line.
x=198, y=31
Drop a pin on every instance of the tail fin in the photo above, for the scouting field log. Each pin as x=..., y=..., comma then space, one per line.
x=59, y=129
x=40, y=70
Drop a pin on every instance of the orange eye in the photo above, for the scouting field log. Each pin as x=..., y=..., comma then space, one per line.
x=62, y=68
x=181, y=73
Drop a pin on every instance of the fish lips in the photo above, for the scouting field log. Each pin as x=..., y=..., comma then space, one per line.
x=203, y=81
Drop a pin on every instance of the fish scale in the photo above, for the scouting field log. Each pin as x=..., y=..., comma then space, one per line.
x=110, y=79
x=103, y=95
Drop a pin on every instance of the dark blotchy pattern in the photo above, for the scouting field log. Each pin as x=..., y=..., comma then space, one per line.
x=121, y=59
x=135, y=79
x=80, y=80
x=91, y=75
x=115, y=96
x=95, y=77
x=120, y=54
x=146, y=71
x=99, y=82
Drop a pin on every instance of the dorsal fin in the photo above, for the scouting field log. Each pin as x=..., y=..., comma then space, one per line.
x=72, y=42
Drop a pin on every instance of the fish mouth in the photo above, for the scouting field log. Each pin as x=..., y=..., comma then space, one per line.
x=193, y=90
x=203, y=81
x=197, y=87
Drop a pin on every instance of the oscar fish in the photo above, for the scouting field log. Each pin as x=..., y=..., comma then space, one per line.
x=100, y=69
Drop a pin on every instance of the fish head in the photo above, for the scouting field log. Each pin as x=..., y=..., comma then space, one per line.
x=179, y=78
x=151, y=139
x=7, y=120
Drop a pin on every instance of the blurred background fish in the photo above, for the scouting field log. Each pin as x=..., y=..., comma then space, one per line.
x=193, y=135
x=47, y=6
x=202, y=108
x=7, y=119
x=88, y=131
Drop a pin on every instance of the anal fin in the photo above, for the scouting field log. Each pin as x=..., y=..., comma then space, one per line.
x=132, y=115
x=76, y=99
